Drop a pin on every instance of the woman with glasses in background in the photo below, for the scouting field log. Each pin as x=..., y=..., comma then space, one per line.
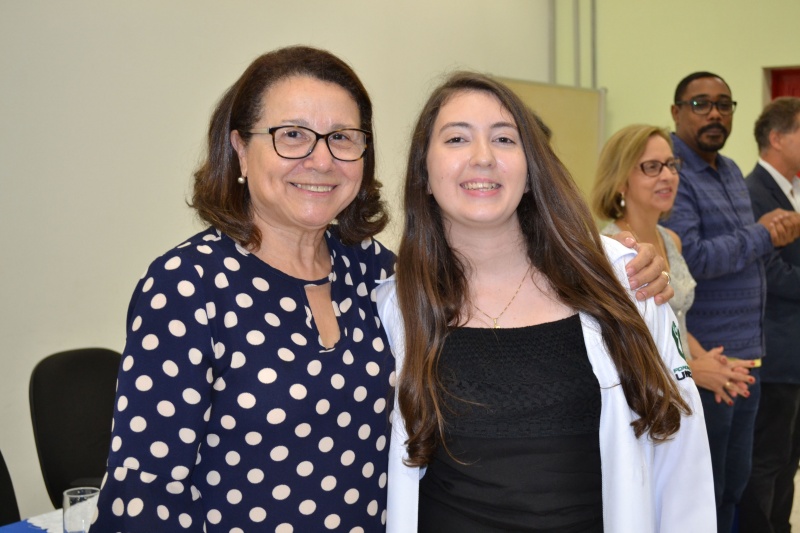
x=636, y=183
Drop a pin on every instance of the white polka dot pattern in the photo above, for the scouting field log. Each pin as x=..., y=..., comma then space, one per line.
x=231, y=414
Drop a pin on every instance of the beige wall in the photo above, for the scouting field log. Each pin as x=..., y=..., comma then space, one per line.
x=646, y=47
x=103, y=107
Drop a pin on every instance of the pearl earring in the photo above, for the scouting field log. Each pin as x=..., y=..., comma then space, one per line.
x=241, y=180
x=622, y=199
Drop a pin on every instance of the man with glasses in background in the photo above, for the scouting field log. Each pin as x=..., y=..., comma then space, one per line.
x=773, y=183
x=723, y=246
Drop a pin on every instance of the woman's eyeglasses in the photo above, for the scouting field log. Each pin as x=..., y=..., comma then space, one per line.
x=297, y=142
x=653, y=168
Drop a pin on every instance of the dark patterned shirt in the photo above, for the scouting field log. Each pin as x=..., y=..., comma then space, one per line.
x=723, y=246
x=231, y=415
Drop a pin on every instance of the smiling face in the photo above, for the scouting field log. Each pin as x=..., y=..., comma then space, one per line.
x=300, y=194
x=705, y=134
x=651, y=195
x=476, y=164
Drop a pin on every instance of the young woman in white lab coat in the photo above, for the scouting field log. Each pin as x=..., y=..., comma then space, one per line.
x=534, y=393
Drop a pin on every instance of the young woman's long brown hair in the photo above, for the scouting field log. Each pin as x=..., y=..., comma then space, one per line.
x=562, y=243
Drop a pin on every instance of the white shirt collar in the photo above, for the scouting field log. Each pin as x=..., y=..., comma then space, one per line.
x=785, y=185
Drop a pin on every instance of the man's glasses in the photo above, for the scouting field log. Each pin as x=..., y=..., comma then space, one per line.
x=297, y=142
x=653, y=168
x=704, y=107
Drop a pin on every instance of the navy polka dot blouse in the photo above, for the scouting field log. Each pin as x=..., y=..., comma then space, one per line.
x=231, y=416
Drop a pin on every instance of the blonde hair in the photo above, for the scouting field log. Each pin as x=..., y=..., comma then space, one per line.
x=617, y=159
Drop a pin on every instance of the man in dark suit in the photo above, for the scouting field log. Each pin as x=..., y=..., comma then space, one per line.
x=767, y=502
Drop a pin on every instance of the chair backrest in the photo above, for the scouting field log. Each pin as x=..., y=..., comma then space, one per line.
x=72, y=404
x=9, y=512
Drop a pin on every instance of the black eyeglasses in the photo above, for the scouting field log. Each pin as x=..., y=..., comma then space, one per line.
x=704, y=107
x=297, y=142
x=653, y=168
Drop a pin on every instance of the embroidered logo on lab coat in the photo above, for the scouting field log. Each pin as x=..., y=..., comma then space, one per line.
x=682, y=372
x=676, y=335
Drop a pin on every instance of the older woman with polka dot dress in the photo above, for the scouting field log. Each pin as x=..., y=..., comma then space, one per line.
x=253, y=389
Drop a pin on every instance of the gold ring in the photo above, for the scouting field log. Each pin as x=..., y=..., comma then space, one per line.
x=667, y=275
x=727, y=384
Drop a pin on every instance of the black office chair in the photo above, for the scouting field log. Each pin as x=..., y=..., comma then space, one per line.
x=72, y=404
x=9, y=511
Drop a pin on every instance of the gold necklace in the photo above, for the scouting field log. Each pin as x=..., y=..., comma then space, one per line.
x=629, y=227
x=662, y=246
x=494, y=320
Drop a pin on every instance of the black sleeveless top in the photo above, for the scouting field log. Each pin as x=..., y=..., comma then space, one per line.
x=522, y=417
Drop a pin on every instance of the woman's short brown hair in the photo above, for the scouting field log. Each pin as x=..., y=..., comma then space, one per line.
x=225, y=204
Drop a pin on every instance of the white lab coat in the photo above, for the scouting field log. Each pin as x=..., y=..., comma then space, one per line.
x=647, y=487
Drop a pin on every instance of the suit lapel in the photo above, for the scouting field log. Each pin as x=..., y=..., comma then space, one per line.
x=775, y=190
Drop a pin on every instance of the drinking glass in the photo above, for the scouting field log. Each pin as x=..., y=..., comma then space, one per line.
x=79, y=506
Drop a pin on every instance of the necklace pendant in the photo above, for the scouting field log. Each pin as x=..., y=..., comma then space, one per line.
x=494, y=320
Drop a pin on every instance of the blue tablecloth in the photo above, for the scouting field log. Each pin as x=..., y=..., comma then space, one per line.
x=20, y=527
